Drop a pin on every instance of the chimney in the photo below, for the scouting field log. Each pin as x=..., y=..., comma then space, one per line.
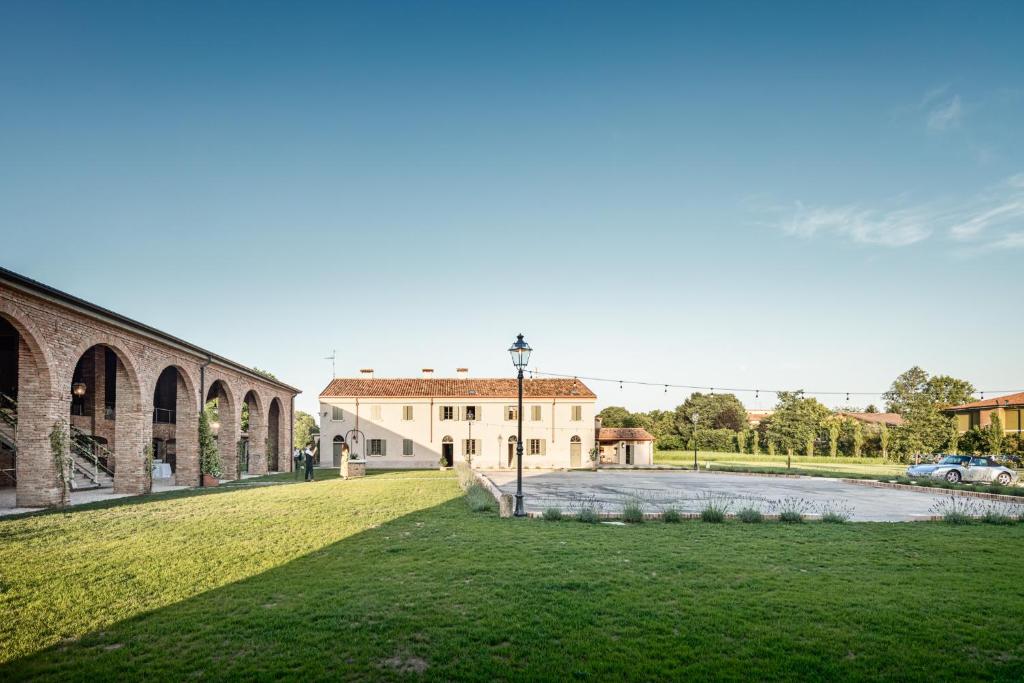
x=428, y=373
x=462, y=373
x=367, y=373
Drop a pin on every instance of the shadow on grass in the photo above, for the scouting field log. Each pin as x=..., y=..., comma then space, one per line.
x=443, y=594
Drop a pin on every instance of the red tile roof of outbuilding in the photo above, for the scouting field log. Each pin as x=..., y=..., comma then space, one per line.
x=1010, y=400
x=624, y=434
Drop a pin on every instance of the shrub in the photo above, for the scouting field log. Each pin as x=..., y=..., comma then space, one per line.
x=835, y=512
x=792, y=510
x=588, y=515
x=993, y=516
x=465, y=475
x=633, y=512
x=750, y=515
x=479, y=498
x=552, y=514
x=671, y=516
x=955, y=509
x=714, y=508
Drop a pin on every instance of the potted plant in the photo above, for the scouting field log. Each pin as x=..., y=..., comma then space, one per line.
x=209, y=458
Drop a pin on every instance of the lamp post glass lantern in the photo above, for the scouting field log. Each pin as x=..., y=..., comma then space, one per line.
x=78, y=389
x=520, y=352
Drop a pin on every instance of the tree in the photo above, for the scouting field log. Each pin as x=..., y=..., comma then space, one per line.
x=883, y=439
x=796, y=422
x=994, y=435
x=872, y=408
x=858, y=438
x=741, y=441
x=305, y=429
x=834, y=425
x=946, y=391
x=265, y=373
x=919, y=399
x=615, y=416
x=717, y=411
x=245, y=416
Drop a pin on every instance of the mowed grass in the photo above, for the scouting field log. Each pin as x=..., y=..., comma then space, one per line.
x=818, y=465
x=392, y=577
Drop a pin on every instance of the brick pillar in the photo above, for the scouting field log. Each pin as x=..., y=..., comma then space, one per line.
x=227, y=438
x=38, y=411
x=186, y=437
x=257, y=440
x=133, y=430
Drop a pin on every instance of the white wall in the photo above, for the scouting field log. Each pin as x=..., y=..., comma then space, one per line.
x=490, y=430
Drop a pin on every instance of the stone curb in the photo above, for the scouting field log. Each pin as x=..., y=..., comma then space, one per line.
x=936, y=490
x=504, y=500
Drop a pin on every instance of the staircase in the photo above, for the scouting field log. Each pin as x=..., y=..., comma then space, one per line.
x=90, y=460
x=8, y=442
x=90, y=463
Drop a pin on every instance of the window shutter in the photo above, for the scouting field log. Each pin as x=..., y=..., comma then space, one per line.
x=543, y=446
x=440, y=412
x=383, y=447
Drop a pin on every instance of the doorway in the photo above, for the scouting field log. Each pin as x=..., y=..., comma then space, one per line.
x=629, y=454
x=511, y=451
x=575, y=452
x=448, y=451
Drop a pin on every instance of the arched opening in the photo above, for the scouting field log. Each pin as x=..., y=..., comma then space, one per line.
x=253, y=449
x=575, y=452
x=512, y=441
x=220, y=413
x=447, y=451
x=277, y=447
x=9, y=343
x=106, y=423
x=175, y=440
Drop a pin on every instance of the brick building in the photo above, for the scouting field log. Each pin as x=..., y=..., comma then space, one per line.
x=120, y=385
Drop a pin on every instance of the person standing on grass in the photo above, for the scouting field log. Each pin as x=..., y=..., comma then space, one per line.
x=308, y=455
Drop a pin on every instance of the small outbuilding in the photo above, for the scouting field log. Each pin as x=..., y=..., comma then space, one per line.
x=625, y=446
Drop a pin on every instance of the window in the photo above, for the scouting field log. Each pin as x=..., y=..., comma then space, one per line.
x=535, y=413
x=535, y=446
x=407, y=446
x=470, y=413
x=447, y=413
x=337, y=414
x=407, y=413
x=1012, y=421
x=469, y=447
x=376, y=447
x=375, y=412
x=577, y=413
x=511, y=413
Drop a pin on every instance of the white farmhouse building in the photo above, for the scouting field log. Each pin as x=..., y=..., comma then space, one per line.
x=415, y=423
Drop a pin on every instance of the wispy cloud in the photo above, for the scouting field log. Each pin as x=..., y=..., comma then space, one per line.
x=993, y=219
x=945, y=116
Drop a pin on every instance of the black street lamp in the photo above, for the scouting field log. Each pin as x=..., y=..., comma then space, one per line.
x=695, y=418
x=520, y=352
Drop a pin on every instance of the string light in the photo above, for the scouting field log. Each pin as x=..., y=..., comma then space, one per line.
x=751, y=390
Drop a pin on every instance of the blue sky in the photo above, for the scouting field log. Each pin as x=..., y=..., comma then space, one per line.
x=777, y=195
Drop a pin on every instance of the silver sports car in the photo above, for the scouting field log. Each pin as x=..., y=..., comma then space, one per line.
x=957, y=468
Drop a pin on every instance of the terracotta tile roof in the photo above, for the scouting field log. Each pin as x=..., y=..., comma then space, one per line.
x=454, y=388
x=624, y=434
x=890, y=419
x=1010, y=399
x=758, y=415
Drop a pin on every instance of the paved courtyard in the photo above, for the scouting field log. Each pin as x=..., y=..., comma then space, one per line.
x=686, y=490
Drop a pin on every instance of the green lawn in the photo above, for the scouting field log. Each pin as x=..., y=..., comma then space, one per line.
x=814, y=464
x=391, y=577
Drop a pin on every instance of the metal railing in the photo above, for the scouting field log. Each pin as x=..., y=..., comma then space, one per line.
x=164, y=416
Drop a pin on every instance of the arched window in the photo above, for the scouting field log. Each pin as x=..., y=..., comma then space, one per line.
x=447, y=439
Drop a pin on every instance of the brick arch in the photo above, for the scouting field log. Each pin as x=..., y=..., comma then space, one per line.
x=257, y=431
x=228, y=434
x=186, y=427
x=191, y=385
x=283, y=452
x=41, y=359
x=127, y=359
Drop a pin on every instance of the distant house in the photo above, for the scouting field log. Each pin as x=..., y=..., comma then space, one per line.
x=887, y=419
x=756, y=417
x=1010, y=409
x=625, y=445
